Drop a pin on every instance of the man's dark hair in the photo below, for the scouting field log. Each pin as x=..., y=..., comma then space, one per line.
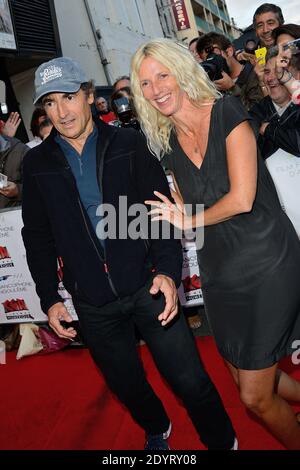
x=266, y=8
x=88, y=88
x=123, y=77
x=209, y=39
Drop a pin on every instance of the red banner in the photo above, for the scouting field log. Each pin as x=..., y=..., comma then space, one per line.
x=180, y=15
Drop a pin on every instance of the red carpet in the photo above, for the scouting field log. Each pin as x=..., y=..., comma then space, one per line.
x=60, y=401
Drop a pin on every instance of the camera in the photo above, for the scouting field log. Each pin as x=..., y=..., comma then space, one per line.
x=250, y=46
x=124, y=112
x=214, y=65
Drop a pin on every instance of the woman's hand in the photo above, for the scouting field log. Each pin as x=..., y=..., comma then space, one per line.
x=172, y=213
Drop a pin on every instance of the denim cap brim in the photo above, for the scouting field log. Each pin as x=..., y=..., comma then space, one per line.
x=55, y=88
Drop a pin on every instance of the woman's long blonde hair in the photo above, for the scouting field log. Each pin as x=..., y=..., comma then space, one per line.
x=191, y=78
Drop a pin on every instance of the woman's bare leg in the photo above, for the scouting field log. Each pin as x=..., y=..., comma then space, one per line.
x=233, y=370
x=287, y=387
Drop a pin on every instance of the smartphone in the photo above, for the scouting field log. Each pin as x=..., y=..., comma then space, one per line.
x=293, y=46
x=260, y=54
x=3, y=181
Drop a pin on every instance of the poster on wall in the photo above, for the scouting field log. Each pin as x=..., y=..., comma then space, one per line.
x=285, y=171
x=189, y=292
x=7, y=36
x=18, y=299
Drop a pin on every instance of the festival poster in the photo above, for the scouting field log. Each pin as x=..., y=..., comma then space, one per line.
x=285, y=171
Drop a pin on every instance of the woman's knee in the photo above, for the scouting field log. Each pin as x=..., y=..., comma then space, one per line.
x=257, y=401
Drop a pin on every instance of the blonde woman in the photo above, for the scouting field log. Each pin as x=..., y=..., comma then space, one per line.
x=250, y=261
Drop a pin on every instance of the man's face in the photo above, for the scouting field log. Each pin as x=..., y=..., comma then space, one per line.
x=101, y=104
x=264, y=25
x=70, y=114
x=278, y=92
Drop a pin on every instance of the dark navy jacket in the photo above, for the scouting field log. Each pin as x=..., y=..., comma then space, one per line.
x=282, y=132
x=56, y=224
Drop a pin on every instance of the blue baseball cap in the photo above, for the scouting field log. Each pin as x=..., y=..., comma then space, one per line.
x=60, y=75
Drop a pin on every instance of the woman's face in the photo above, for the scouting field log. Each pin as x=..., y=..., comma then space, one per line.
x=160, y=88
x=294, y=66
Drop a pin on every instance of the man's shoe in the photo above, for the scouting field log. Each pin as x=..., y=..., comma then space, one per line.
x=235, y=445
x=158, y=441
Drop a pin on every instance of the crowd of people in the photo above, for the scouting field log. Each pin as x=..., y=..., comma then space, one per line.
x=211, y=116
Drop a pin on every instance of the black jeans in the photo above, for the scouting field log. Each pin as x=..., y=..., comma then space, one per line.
x=108, y=332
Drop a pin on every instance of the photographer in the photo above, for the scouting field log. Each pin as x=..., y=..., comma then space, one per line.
x=230, y=76
x=213, y=62
x=122, y=106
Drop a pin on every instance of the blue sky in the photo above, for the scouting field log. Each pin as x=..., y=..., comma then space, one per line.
x=242, y=10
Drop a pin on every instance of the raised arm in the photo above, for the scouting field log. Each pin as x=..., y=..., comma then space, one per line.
x=242, y=171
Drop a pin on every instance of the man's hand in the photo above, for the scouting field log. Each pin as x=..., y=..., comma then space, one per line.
x=11, y=190
x=167, y=286
x=225, y=83
x=259, y=69
x=58, y=313
x=10, y=127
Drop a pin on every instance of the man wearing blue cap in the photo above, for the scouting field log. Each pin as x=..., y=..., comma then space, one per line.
x=117, y=282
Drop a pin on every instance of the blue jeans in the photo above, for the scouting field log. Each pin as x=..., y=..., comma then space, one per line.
x=109, y=333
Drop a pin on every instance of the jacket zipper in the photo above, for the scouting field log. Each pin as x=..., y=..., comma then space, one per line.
x=103, y=260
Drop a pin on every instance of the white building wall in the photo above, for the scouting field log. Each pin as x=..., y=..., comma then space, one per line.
x=124, y=25
x=77, y=39
x=23, y=85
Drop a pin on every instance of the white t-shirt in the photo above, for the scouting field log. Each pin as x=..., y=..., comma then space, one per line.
x=34, y=142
